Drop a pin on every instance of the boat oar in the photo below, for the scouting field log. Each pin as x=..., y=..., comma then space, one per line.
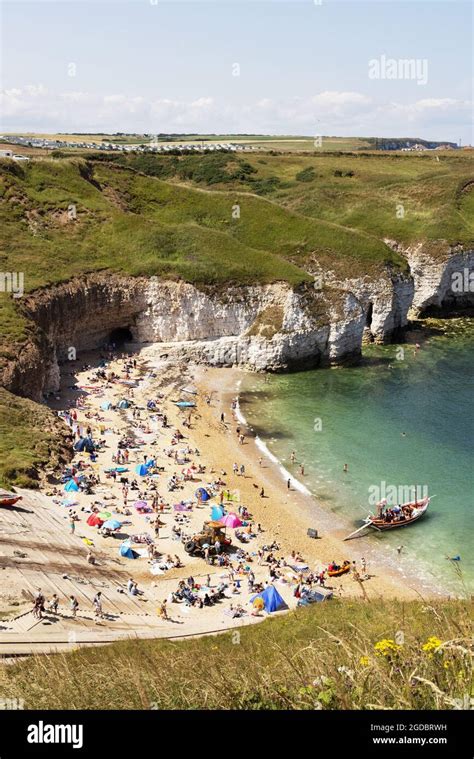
x=366, y=524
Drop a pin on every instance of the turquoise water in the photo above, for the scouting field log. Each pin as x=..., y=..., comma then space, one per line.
x=396, y=424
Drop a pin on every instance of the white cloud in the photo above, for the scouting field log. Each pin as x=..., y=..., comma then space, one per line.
x=34, y=107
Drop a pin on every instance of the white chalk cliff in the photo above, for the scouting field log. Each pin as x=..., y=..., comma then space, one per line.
x=272, y=327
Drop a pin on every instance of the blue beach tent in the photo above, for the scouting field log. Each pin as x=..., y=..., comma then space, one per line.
x=127, y=551
x=202, y=494
x=271, y=598
x=217, y=512
x=142, y=470
x=106, y=405
x=84, y=444
x=123, y=403
x=71, y=485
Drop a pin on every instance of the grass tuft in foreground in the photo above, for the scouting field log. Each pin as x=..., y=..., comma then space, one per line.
x=339, y=655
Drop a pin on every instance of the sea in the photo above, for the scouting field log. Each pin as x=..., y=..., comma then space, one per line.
x=402, y=422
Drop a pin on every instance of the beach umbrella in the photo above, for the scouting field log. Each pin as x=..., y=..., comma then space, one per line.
x=94, y=520
x=140, y=504
x=104, y=515
x=112, y=524
x=231, y=520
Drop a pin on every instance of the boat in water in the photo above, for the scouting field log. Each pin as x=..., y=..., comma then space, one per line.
x=8, y=499
x=392, y=517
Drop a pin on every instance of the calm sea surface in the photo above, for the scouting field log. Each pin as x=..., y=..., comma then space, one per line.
x=397, y=422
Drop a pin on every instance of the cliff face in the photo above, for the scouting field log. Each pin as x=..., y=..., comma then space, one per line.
x=444, y=284
x=443, y=279
x=269, y=327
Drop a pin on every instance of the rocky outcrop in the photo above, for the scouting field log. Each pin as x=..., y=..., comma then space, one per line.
x=263, y=327
x=443, y=281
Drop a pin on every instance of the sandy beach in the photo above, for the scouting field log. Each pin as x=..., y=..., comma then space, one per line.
x=209, y=443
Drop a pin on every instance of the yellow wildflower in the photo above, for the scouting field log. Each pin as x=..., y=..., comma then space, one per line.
x=364, y=660
x=432, y=645
x=386, y=647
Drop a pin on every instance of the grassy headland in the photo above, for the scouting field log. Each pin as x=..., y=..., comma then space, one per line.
x=337, y=655
x=218, y=218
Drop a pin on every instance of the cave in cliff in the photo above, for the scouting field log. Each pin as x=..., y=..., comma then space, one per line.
x=120, y=336
x=368, y=318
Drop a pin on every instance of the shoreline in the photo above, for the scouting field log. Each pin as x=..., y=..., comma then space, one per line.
x=299, y=510
x=56, y=559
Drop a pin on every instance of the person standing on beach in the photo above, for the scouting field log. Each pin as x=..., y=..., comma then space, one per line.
x=53, y=606
x=223, y=418
x=262, y=493
x=293, y=457
x=72, y=526
x=302, y=468
x=97, y=601
x=345, y=468
x=73, y=605
x=288, y=483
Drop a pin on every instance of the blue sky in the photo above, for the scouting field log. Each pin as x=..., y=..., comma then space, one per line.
x=156, y=65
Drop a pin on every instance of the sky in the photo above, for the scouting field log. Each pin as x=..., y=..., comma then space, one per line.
x=301, y=67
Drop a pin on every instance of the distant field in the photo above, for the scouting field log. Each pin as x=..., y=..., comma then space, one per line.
x=265, y=142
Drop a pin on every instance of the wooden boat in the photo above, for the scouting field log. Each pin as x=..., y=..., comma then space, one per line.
x=8, y=499
x=391, y=519
x=341, y=571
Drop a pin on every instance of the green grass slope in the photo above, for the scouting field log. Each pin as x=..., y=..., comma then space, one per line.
x=362, y=191
x=338, y=655
x=217, y=218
